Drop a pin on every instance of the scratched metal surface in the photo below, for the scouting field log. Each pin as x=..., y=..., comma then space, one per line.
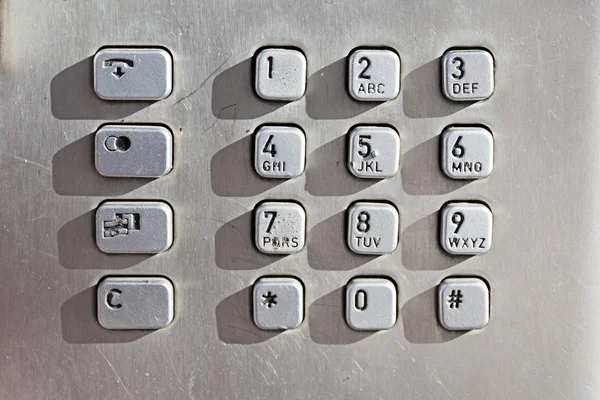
x=542, y=341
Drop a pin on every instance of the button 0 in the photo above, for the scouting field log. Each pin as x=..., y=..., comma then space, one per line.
x=133, y=74
x=468, y=75
x=135, y=303
x=134, y=227
x=280, y=74
x=278, y=303
x=280, y=227
x=463, y=304
x=373, y=228
x=134, y=151
x=374, y=75
x=374, y=152
x=466, y=228
x=371, y=304
x=279, y=151
x=467, y=152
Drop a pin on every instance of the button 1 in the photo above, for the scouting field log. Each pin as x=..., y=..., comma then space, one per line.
x=373, y=228
x=371, y=304
x=280, y=227
x=134, y=151
x=134, y=227
x=464, y=304
x=280, y=74
x=278, y=303
x=135, y=303
x=374, y=152
x=374, y=75
x=468, y=75
x=466, y=228
x=279, y=151
x=467, y=152
x=133, y=74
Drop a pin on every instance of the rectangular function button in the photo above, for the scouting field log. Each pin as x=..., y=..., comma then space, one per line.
x=467, y=152
x=279, y=227
x=134, y=227
x=280, y=74
x=133, y=74
x=134, y=151
x=466, y=228
x=135, y=303
x=371, y=304
x=374, y=75
x=468, y=74
x=463, y=304
x=373, y=228
x=278, y=303
x=279, y=151
x=374, y=152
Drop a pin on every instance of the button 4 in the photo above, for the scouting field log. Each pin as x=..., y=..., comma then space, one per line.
x=279, y=151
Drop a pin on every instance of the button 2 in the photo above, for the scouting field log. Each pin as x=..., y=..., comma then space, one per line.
x=467, y=152
x=133, y=74
x=463, y=304
x=468, y=75
x=278, y=303
x=280, y=74
x=279, y=151
x=373, y=228
x=466, y=228
x=374, y=75
x=279, y=227
x=374, y=152
x=371, y=304
x=135, y=303
x=134, y=227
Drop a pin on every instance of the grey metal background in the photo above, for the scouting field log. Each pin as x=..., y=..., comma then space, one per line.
x=542, y=340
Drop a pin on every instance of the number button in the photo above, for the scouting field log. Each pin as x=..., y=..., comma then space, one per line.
x=374, y=75
x=374, y=152
x=466, y=228
x=280, y=74
x=468, y=75
x=279, y=152
x=280, y=227
x=467, y=152
x=371, y=304
x=373, y=228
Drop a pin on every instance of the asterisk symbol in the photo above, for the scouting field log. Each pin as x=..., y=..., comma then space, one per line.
x=269, y=299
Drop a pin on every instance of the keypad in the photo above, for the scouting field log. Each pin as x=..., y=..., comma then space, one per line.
x=280, y=152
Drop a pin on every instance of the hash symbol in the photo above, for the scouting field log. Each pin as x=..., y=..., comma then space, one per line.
x=269, y=299
x=455, y=298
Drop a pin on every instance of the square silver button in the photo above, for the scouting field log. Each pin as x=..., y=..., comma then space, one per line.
x=373, y=228
x=134, y=151
x=279, y=151
x=280, y=227
x=134, y=227
x=464, y=304
x=278, y=303
x=135, y=303
x=468, y=75
x=466, y=228
x=374, y=152
x=374, y=75
x=280, y=74
x=467, y=152
x=371, y=304
x=133, y=74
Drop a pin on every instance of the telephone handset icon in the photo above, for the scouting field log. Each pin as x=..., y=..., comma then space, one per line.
x=120, y=65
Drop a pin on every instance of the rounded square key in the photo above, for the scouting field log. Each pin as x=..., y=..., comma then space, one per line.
x=463, y=304
x=374, y=75
x=371, y=304
x=468, y=75
x=373, y=228
x=280, y=74
x=467, y=152
x=279, y=151
x=279, y=227
x=374, y=152
x=466, y=228
x=278, y=303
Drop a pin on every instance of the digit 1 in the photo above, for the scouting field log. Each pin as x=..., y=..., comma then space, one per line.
x=360, y=300
x=457, y=219
x=270, y=61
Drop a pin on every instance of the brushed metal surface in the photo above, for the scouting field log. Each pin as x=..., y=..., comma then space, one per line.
x=542, y=338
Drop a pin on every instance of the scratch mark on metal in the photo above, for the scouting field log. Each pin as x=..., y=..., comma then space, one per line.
x=115, y=372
